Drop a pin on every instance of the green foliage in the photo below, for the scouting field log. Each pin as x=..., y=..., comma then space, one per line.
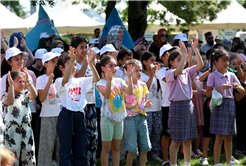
x=15, y=7
x=43, y=2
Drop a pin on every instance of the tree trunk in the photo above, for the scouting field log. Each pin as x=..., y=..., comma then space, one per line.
x=109, y=8
x=137, y=18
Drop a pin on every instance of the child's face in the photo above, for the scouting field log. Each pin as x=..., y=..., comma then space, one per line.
x=176, y=61
x=51, y=64
x=17, y=62
x=60, y=46
x=136, y=75
x=81, y=49
x=233, y=64
x=39, y=62
x=244, y=71
x=111, y=65
x=126, y=58
x=222, y=63
x=205, y=60
x=165, y=59
x=151, y=60
x=19, y=83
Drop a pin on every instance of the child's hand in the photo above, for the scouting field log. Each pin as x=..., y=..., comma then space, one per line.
x=91, y=56
x=54, y=36
x=194, y=43
x=2, y=34
x=194, y=92
x=129, y=70
x=11, y=82
x=189, y=55
x=239, y=62
x=225, y=86
x=148, y=104
x=182, y=47
x=204, y=91
x=153, y=69
x=23, y=42
x=158, y=66
x=235, y=85
x=51, y=77
x=72, y=53
x=108, y=74
x=16, y=42
x=24, y=70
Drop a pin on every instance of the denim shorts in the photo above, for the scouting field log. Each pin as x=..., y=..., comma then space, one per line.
x=136, y=131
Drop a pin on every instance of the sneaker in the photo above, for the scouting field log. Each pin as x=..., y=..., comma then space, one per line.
x=54, y=163
x=193, y=155
x=218, y=164
x=156, y=158
x=204, y=161
x=166, y=163
x=198, y=152
x=239, y=154
x=234, y=160
x=179, y=163
x=232, y=163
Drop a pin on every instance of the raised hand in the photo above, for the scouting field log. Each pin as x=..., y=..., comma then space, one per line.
x=148, y=104
x=189, y=55
x=54, y=36
x=24, y=70
x=108, y=74
x=2, y=34
x=129, y=70
x=239, y=62
x=16, y=42
x=194, y=43
x=182, y=47
x=23, y=42
x=91, y=56
x=72, y=53
x=51, y=77
x=10, y=80
x=153, y=69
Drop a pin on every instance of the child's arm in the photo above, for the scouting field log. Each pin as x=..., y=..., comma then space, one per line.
x=69, y=69
x=239, y=88
x=219, y=89
x=148, y=103
x=43, y=93
x=30, y=56
x=238, y=96
x=152, y=75
x=3, y=44
x=189, y=56
x=106, y=91
x=11, y=96
x=131, y=106
x=129, y=88
x=90, y=60
x=33, y=93
x=81, y=72
x=199, y=60
x=239, y=69
x=181, y=65
x=204, y=75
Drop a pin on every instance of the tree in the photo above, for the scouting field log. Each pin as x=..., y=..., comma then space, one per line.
x=15, y=7
x=193, y=12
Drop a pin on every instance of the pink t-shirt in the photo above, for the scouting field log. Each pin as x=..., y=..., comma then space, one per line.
x=216, y=79
x=180, y=86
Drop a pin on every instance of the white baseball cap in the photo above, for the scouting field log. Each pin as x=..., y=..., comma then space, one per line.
x=44, y=35
x=95, y=49
x=39, y=53
x=94, y=41
x=48, y=56
x=11, y=52
x=165, y=48
x=181, y=36
x=107, y=48
x=218, y=37
x=57, y=50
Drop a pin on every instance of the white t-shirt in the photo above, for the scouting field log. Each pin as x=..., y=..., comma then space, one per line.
x=153, y=94
x=89, y=96
x=51, y=104
x=120, y=74
x=72, y=94
x=164, y=88
x=3, y=83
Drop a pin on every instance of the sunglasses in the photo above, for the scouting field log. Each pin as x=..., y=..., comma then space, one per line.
x=162, y=35
x=21, y=81
x=209, y=38
x=48, y=39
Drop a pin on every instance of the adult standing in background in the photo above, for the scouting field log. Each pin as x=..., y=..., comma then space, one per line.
x=97, y=32
x=210, y=42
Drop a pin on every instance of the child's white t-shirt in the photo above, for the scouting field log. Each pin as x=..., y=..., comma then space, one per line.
x=164, y=88
x=153, y=94
x=51, y=104
x=89, y=96
x=120, y=74
x=72, y=94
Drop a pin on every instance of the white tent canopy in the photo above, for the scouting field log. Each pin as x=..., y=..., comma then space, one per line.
x=10, y=23
x=92, y=13
x=230, y=18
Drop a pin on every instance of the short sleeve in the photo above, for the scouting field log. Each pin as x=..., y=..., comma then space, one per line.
x=3, y=84
x=170, y=75
x=40, y=84
x=123, y=83
x=145, y=89
x=144, y=78
x=235, y=79
x=26, y=94
x=3, y=97
x=33, y=76
x=161, y=74
x=102, y=83
x=86, y=82
x=210, y=81
x=192, y=71
x=59, y=86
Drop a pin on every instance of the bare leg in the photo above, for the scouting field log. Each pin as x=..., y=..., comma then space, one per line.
x=198, y=139
x=206, y=141
x=164, y=147
x=174, y=147
x=115, y=152
x=143, y=158
x=106, y=146
x=187, y=150
x=228, y=147
x=129, y=158
x=217, y=148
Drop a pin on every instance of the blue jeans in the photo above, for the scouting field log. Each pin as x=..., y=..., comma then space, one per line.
x=71, y=132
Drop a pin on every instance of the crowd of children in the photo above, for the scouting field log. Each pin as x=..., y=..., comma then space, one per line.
x=74, y=106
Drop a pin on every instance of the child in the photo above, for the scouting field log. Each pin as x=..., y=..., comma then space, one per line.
x=135, y=123
x=70, y=123
x=113, y=108
x=84, y=70
x=7, y=157
x=153, y=113
x=123, y=56
x=165, y=103
x=223, y=116
x=182, y=118
x=233, y=61
x=49, y=112
x=18, y=133
x=240, y=115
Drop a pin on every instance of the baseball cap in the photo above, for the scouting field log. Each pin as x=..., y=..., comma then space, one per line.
x=57, y=50
x=218, y=37
x=94, y=41
x=95, y=49
x=165, y=48
x=181, y=36
x=11, y=52
x=107, y=48
x=48, y=56
x=44, y=35
x=39, y=53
